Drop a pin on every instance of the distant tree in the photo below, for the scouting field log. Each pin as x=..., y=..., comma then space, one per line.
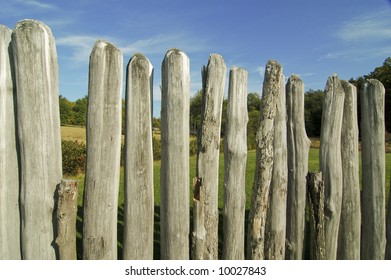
x=383, y=74
x=80, y=112
x=313, y=102
x=253, y=101
x=66, y=112
x=253, y=107
x=195, y=112
x=156, y=123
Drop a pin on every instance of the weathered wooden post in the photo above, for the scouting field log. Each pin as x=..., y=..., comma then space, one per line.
x=235, y=157
x=9, y=174
x=206, y=213
x=139, y=202
x=373, y=235
x=275, y=235
x=265, y=157
x=38, y=122
x=315, y=191
x=174, y=174
x=331, y=161
x=66, y=218
x=350, y=224
x=298, y=146
x=103, y=152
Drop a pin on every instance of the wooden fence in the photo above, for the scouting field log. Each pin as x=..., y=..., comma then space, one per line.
x=38, y=208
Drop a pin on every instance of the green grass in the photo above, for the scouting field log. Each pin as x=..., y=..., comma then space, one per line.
x=313, y=165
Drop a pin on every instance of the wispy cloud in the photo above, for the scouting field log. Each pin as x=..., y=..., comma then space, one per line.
x=376, y=26
x=37, y=4
x=362, y=37
x=25, y=8
x=81, y=45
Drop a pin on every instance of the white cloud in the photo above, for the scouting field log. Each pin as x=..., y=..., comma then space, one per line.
x=375, y=26
x=37, y=4
x=80, y=46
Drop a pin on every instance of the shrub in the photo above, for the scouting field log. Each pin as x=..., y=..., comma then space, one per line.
x=73, y=157
x=156, y=146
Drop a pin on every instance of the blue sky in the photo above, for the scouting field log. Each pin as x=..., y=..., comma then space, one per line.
x=313, y=39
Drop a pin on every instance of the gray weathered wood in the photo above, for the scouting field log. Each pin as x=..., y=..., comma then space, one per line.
x=350, y=224
x=9, y=174
x=264, y=161
x=139, y=202
x=205, y=232
x=174, y=174
x=373, y=234
x=276, y=217
x=298, y=146
x=66, y=219
x=315, y=187
x=331, y=161
x=38, y=122
x=103, y=152
x=388, y=231
x=235, y=157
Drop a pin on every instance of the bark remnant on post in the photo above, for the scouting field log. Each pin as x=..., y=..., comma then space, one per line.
x=205, y=233
x=235, y=157
x=103, y=152
x=38, y=123
x=373, y=235
x=315, y=191
x=350, y=224
x=331, y=161
x=174, y=174
x=9, y=169
x=66, y=219
x=298, y=146
x=139, y=202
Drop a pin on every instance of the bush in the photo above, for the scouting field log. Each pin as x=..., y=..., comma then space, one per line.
x=156, y=147
x=73, y=157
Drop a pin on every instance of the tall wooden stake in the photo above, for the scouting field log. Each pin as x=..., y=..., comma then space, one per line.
x=9, y=169
x=139, y=202
x=331, y=161
x=103, y=152
x=298, y=146
x=174, y=174
x=38, y=123
x=235, y=157
x=373, y=235
x=350, y=225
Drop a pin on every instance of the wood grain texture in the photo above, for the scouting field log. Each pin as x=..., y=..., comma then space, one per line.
x=235, y=159
x=350, y=224
x=373, y=235
x=139, y=199
x=9, y=169
x=205, y=233
x=331, y=161
x=36, y=73
x=298, y=146
x=174, y=170
x=103, y=152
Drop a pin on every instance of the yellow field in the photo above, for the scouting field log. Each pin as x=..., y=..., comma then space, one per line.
x=73, y=133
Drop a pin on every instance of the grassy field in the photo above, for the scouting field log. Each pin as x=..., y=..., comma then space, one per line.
x=78, y=134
